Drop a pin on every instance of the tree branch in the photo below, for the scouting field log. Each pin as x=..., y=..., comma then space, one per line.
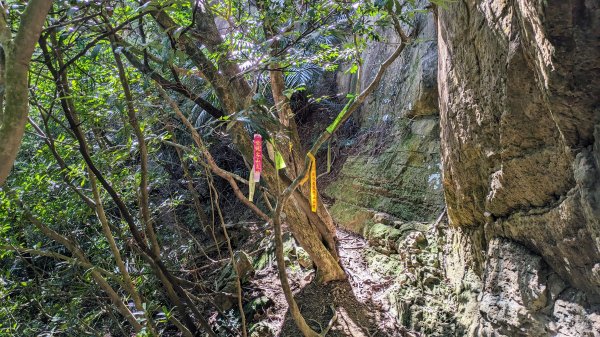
x=210, y=160
x=143, y=189
x=168, y=85
x=98, y=39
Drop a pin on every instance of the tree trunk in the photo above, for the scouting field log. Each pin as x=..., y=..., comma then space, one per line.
x=314, y=232
x=15, y=69
x=294, y=157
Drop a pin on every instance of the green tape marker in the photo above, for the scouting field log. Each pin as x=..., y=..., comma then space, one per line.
x=333, y=126
x=329, y=156
x=251, y=185
x=279, y=162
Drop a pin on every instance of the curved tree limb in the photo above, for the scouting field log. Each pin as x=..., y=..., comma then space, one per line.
x=169, y=85
x=14, y=70
x=144, y=200
x=352, y=106
x=209, y=158
x=174, y=291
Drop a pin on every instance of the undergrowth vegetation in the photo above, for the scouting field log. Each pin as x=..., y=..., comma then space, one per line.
x=127, y=209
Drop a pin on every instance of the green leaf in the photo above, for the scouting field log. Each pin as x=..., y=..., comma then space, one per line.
x=95, y=51
x=353, y=69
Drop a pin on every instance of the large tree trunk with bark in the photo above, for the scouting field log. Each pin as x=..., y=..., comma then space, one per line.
x=314, y=231
x=294, y=157
x=14, y=69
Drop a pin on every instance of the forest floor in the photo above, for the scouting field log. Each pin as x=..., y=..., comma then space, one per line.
x=381, y=296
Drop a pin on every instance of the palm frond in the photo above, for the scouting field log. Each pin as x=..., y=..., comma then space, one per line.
x=303, y=75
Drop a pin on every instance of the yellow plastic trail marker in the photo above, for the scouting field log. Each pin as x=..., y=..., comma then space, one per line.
x=313, y=182
x=275, y=155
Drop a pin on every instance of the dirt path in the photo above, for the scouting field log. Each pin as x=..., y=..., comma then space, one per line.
x=360, y=302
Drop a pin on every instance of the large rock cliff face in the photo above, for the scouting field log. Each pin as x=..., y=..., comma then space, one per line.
x=519, y=121
x=395, y=166
x=519, y=88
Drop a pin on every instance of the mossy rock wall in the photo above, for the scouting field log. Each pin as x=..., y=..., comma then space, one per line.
x=395, y=165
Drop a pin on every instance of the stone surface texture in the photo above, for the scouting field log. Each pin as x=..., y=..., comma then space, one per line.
x=519, y=88
x=518, y=92
x=523, y=297
x=395, y=167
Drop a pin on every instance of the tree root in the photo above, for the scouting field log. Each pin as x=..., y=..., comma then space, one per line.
x=332, y=321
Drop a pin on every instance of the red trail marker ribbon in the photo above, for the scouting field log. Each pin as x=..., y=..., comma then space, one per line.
x=257, y=157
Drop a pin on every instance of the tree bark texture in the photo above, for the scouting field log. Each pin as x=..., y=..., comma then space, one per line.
x=15, y=68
